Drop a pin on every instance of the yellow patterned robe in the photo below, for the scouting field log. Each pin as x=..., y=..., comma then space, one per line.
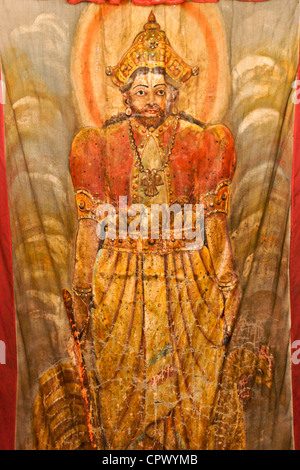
x=157, y=325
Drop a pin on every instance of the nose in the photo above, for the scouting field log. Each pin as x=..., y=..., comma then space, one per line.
x=151, y=98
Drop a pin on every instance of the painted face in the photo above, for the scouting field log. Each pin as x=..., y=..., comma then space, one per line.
x=150, y=98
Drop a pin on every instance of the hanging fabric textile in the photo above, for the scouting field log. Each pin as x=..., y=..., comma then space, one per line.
x=149, y=155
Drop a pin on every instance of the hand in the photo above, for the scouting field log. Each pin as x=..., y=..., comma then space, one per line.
x=81, y=312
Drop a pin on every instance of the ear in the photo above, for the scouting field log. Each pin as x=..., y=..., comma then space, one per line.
x=125, y=98
x=175, y=95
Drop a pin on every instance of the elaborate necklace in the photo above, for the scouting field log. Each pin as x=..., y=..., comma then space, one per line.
x=152, y=178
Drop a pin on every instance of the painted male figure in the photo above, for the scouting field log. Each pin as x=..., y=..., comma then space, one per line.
x=162, y=312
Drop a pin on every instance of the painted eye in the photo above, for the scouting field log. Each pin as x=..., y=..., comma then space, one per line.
x=140, y=93
x=161, y=92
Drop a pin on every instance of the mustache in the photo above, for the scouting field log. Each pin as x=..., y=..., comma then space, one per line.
x=149, y=107
x=152, y=107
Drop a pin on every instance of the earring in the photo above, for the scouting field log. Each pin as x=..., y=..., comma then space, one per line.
x=174, y=110
x=128, y=111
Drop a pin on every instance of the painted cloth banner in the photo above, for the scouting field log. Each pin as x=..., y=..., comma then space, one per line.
x=149, y=157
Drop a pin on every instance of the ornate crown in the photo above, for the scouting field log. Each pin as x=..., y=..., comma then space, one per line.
x=151, y=48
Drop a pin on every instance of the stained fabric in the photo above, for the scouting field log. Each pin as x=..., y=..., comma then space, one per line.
x=172, y=346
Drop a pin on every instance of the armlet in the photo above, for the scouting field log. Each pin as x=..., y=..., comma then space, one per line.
x=86, y=205
x=216, y=201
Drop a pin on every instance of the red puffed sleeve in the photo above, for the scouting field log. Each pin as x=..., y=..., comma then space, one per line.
x=216, y=168
x=87, y=168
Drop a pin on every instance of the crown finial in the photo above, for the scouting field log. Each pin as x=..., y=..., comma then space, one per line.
x=151, y=18
x=152, y=24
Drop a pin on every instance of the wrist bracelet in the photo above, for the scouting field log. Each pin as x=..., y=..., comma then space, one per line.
x=228, y=286
x=83, y=292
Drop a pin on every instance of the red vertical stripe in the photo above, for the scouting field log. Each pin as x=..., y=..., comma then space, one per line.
x=8, y=371
x=295, y=275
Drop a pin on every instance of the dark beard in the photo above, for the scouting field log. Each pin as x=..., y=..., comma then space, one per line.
x=150, y=121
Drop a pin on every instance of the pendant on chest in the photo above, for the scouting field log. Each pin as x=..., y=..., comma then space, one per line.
x=150, y=180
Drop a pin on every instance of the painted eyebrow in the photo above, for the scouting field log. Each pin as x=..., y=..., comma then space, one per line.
x=146, y=86
x=160, y=84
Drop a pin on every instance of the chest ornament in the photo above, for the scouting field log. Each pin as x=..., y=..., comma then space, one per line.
x=151, y=179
